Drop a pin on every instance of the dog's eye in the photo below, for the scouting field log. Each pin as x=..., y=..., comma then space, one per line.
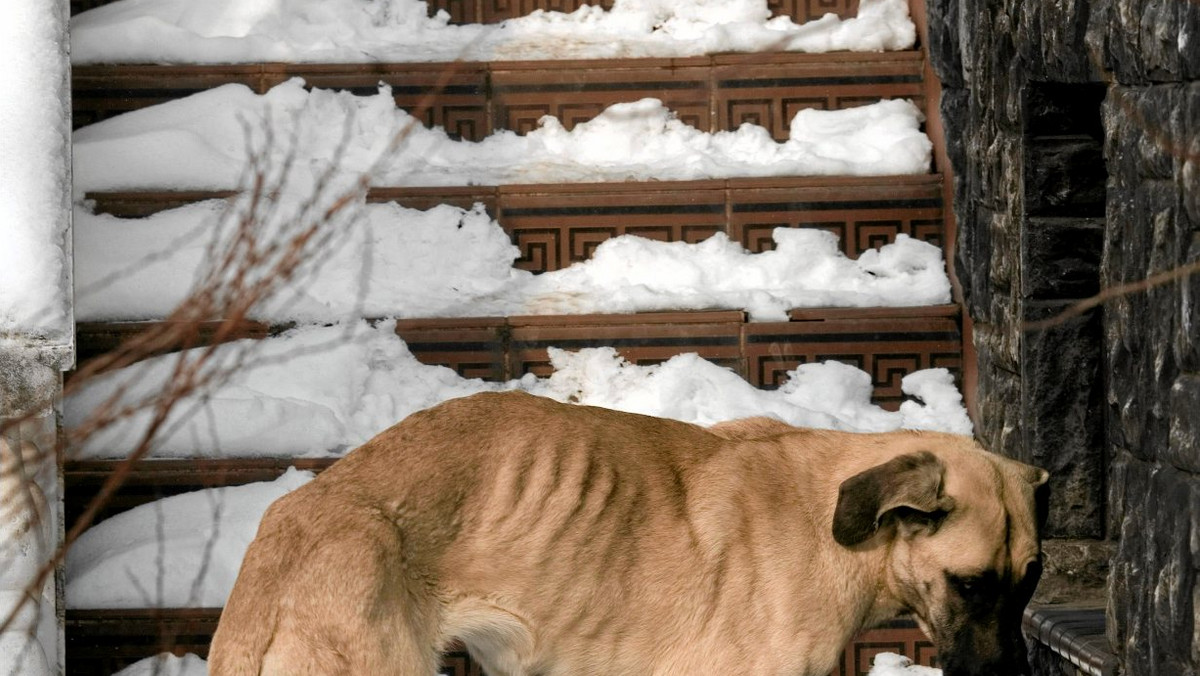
x=973, y=586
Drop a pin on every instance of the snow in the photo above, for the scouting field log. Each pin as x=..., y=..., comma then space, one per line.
x=389, y=261
x=638, y=141
x=320, y=391
x=166, y=664
x=248, y=31
x=179, y=552
x=891, y=664
x=34, y=123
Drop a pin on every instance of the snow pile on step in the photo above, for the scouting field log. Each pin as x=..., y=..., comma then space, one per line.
x=200, y=143
x=354, y=31
x=891, y=664
x=179, y=552
x=320, y=391
x=390, y=261
x=167, y=664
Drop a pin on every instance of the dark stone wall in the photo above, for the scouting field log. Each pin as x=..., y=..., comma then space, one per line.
x=1021, y=106
x=1073, y=128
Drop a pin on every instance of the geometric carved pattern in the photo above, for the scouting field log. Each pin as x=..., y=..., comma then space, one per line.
x=472, y=100
x=473, y=347
x=495, y=11
x=457, y=662
x=887, y=343
x=863, y=217
x=886, y=347
x=647, y=338
x=101, y=642
x=556, y=225
x=577, y=91
x=451, y=96
x=807, y=10
x=769, y=89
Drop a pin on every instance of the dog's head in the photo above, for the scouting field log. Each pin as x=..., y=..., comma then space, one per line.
x=960, y=526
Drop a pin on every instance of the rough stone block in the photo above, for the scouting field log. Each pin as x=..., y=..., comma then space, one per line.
x=1005, y=263
x=1188, y=144
x=1003, y=334
x=999, y=396
x=954, y=107
x=1139, y=377
x=1063, y=426
x=1074, y=571
x=1183, y=450
x=1064, y=176
x=1152, y=584
x=1061, y=257
x=944, y=52
x=29, y=382
x=1052, y=40
x=1187, y=337
x=1141, y=39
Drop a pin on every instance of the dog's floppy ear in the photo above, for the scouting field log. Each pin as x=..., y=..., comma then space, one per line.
x=908, y=483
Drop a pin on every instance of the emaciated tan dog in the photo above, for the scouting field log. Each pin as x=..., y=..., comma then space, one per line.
x=560, y=540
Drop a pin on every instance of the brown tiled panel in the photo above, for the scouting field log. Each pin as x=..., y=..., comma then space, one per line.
x=100, y=92
x=100, y=642
x=807, y=10
x=450, y=95
x=900, y=637
x=427, y=198
x=769, y=89
x=887, y=343
x=863, y=213
x=555, y=226
x=151, y=480
x=641, y=339
x=142, y=204
x=473, y=99
x=495, y=11
x=474, y=347
x=577, y=91
x=96, y=338
x=460, y=11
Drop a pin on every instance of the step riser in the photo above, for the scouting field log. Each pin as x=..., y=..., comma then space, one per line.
x=555, y=226
x=100, y=642
x=495, y=11
x=886, y=343
x=476, y=99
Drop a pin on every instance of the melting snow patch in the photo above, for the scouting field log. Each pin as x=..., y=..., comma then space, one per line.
x=249, y=31
x=390, y=261
x=179, y=552
x=320, y=391
x=637, y=141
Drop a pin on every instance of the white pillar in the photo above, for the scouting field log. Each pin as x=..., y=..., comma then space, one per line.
x=36, y=323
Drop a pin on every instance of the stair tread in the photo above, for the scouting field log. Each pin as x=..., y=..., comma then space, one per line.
x=102, y=638
x=466, y=12
x=471, y=100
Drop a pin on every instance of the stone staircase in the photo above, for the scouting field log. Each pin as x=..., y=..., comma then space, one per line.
x=555, y=226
